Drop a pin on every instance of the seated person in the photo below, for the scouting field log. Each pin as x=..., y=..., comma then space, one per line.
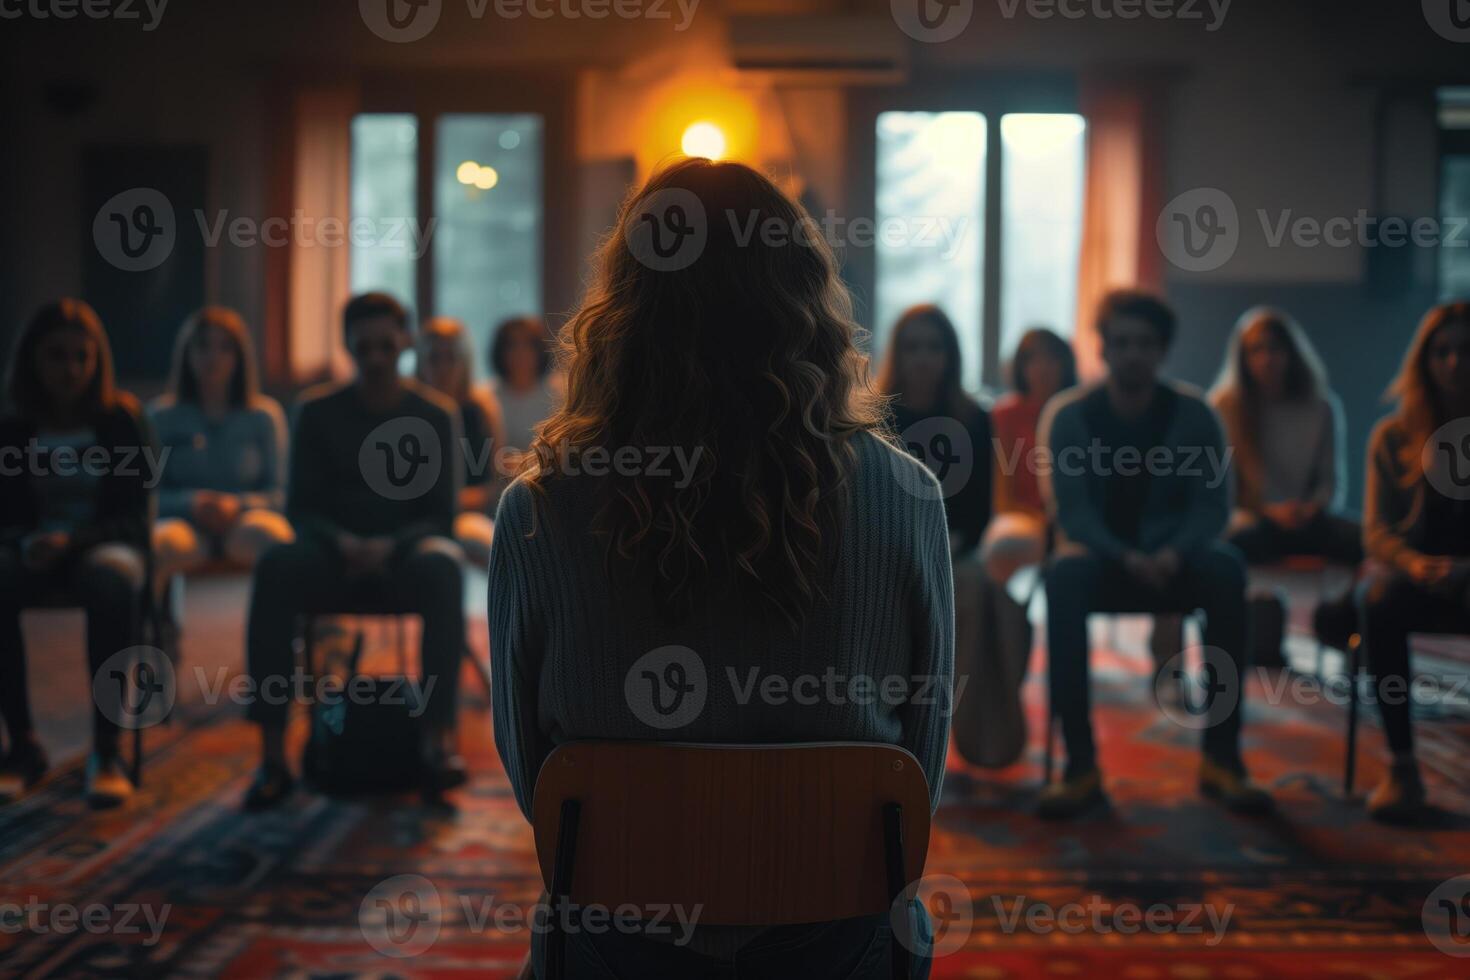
x=934, y=416
x=1287, y=430
x=1417, y=531
x=360, y=525
x=224, y=478
x=525, y=386
x=949, y=432
x=751, y=558
x=446, y=365
x=74, y=513
x=1138, y=532
x=1042, y=366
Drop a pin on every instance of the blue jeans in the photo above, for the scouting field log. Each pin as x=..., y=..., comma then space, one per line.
x=845, y=949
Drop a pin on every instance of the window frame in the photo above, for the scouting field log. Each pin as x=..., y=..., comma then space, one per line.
x=428, y=97
x=993, y=95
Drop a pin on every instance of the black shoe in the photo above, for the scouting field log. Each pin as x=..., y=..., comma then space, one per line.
x=1071, y=797
x=271, y=786
x=22, y=768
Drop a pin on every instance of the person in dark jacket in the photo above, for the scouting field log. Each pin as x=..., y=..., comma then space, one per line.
x=372, y=492
x=76, y=465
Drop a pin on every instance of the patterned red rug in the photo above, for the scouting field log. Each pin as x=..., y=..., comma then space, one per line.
x=1164, y=885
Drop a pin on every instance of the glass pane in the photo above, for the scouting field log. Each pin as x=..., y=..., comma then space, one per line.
x=1041, y=223
x=1454, y=212
x=487, y=196
x=931, y=221
x=384, y=176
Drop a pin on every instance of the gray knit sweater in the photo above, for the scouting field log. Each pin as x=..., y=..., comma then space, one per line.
x=564, y=635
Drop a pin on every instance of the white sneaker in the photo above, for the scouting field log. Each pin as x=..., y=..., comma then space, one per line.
x=107, y=786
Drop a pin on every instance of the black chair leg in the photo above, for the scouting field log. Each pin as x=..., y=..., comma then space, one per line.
x=897, y=886
x=1355, y=656
x=561, y=887
x=1051, y=735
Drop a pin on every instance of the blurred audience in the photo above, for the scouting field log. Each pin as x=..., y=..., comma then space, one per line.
x=1417, y=531
x=361, y=526
x=446, y=364
x=75, y=521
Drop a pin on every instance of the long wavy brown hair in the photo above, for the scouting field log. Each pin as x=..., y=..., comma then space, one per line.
x=1237, y=396
x=23, y=391
x=1419, y=409
x=244, y=383
x=746, y=354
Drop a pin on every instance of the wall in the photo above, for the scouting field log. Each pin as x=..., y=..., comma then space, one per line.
x=1282, y=107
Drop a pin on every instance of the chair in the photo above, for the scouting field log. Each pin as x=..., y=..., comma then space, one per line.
x=1051, y=717
x=374, y=598
x=1357, y=662
x=758, y=835
x=1301, y=565
x=150, y=630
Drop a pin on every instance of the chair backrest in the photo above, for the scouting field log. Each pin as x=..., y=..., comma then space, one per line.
x=751, y=834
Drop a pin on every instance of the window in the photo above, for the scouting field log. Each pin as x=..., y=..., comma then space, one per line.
x=487, y=197
x=483, y=240
x=1041, y=223
x=933, y=166
x=1454, y=194
x=931, y=169
x=385, y=149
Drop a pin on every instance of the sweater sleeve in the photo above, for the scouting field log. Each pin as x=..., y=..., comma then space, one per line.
x=925, y=717
x=1066, y=483
x=125, y=502
x=270, y=493
x=1329, y=484
x=515, y=647
x=1388, y=503
x=1209, y=481
x=308, y=490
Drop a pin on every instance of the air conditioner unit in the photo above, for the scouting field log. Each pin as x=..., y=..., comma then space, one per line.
x=799, y=51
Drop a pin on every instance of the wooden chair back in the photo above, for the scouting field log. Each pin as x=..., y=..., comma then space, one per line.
x=750, y=834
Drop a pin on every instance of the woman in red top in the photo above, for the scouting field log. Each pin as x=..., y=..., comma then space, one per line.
x=1042, y=366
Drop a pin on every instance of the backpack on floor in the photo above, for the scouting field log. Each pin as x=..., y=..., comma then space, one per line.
x=365, y=744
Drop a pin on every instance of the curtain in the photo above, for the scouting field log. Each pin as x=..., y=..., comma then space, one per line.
x=310, y=176
x=1122, y=198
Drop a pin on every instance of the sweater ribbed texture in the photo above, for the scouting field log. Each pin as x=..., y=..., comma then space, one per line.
x=564, y=632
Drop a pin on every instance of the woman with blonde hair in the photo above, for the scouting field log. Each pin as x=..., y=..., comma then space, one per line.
x=1284, y=426
x=1417, y=531
x=1287, y=431
x=446, y=363
x=223, y=485
x=719, y=480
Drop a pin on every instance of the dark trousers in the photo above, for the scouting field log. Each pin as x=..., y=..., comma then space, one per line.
x=1337, y=539
x=308, y=576
x=1211, y=580
x=1394, y=606
x=107, y=582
